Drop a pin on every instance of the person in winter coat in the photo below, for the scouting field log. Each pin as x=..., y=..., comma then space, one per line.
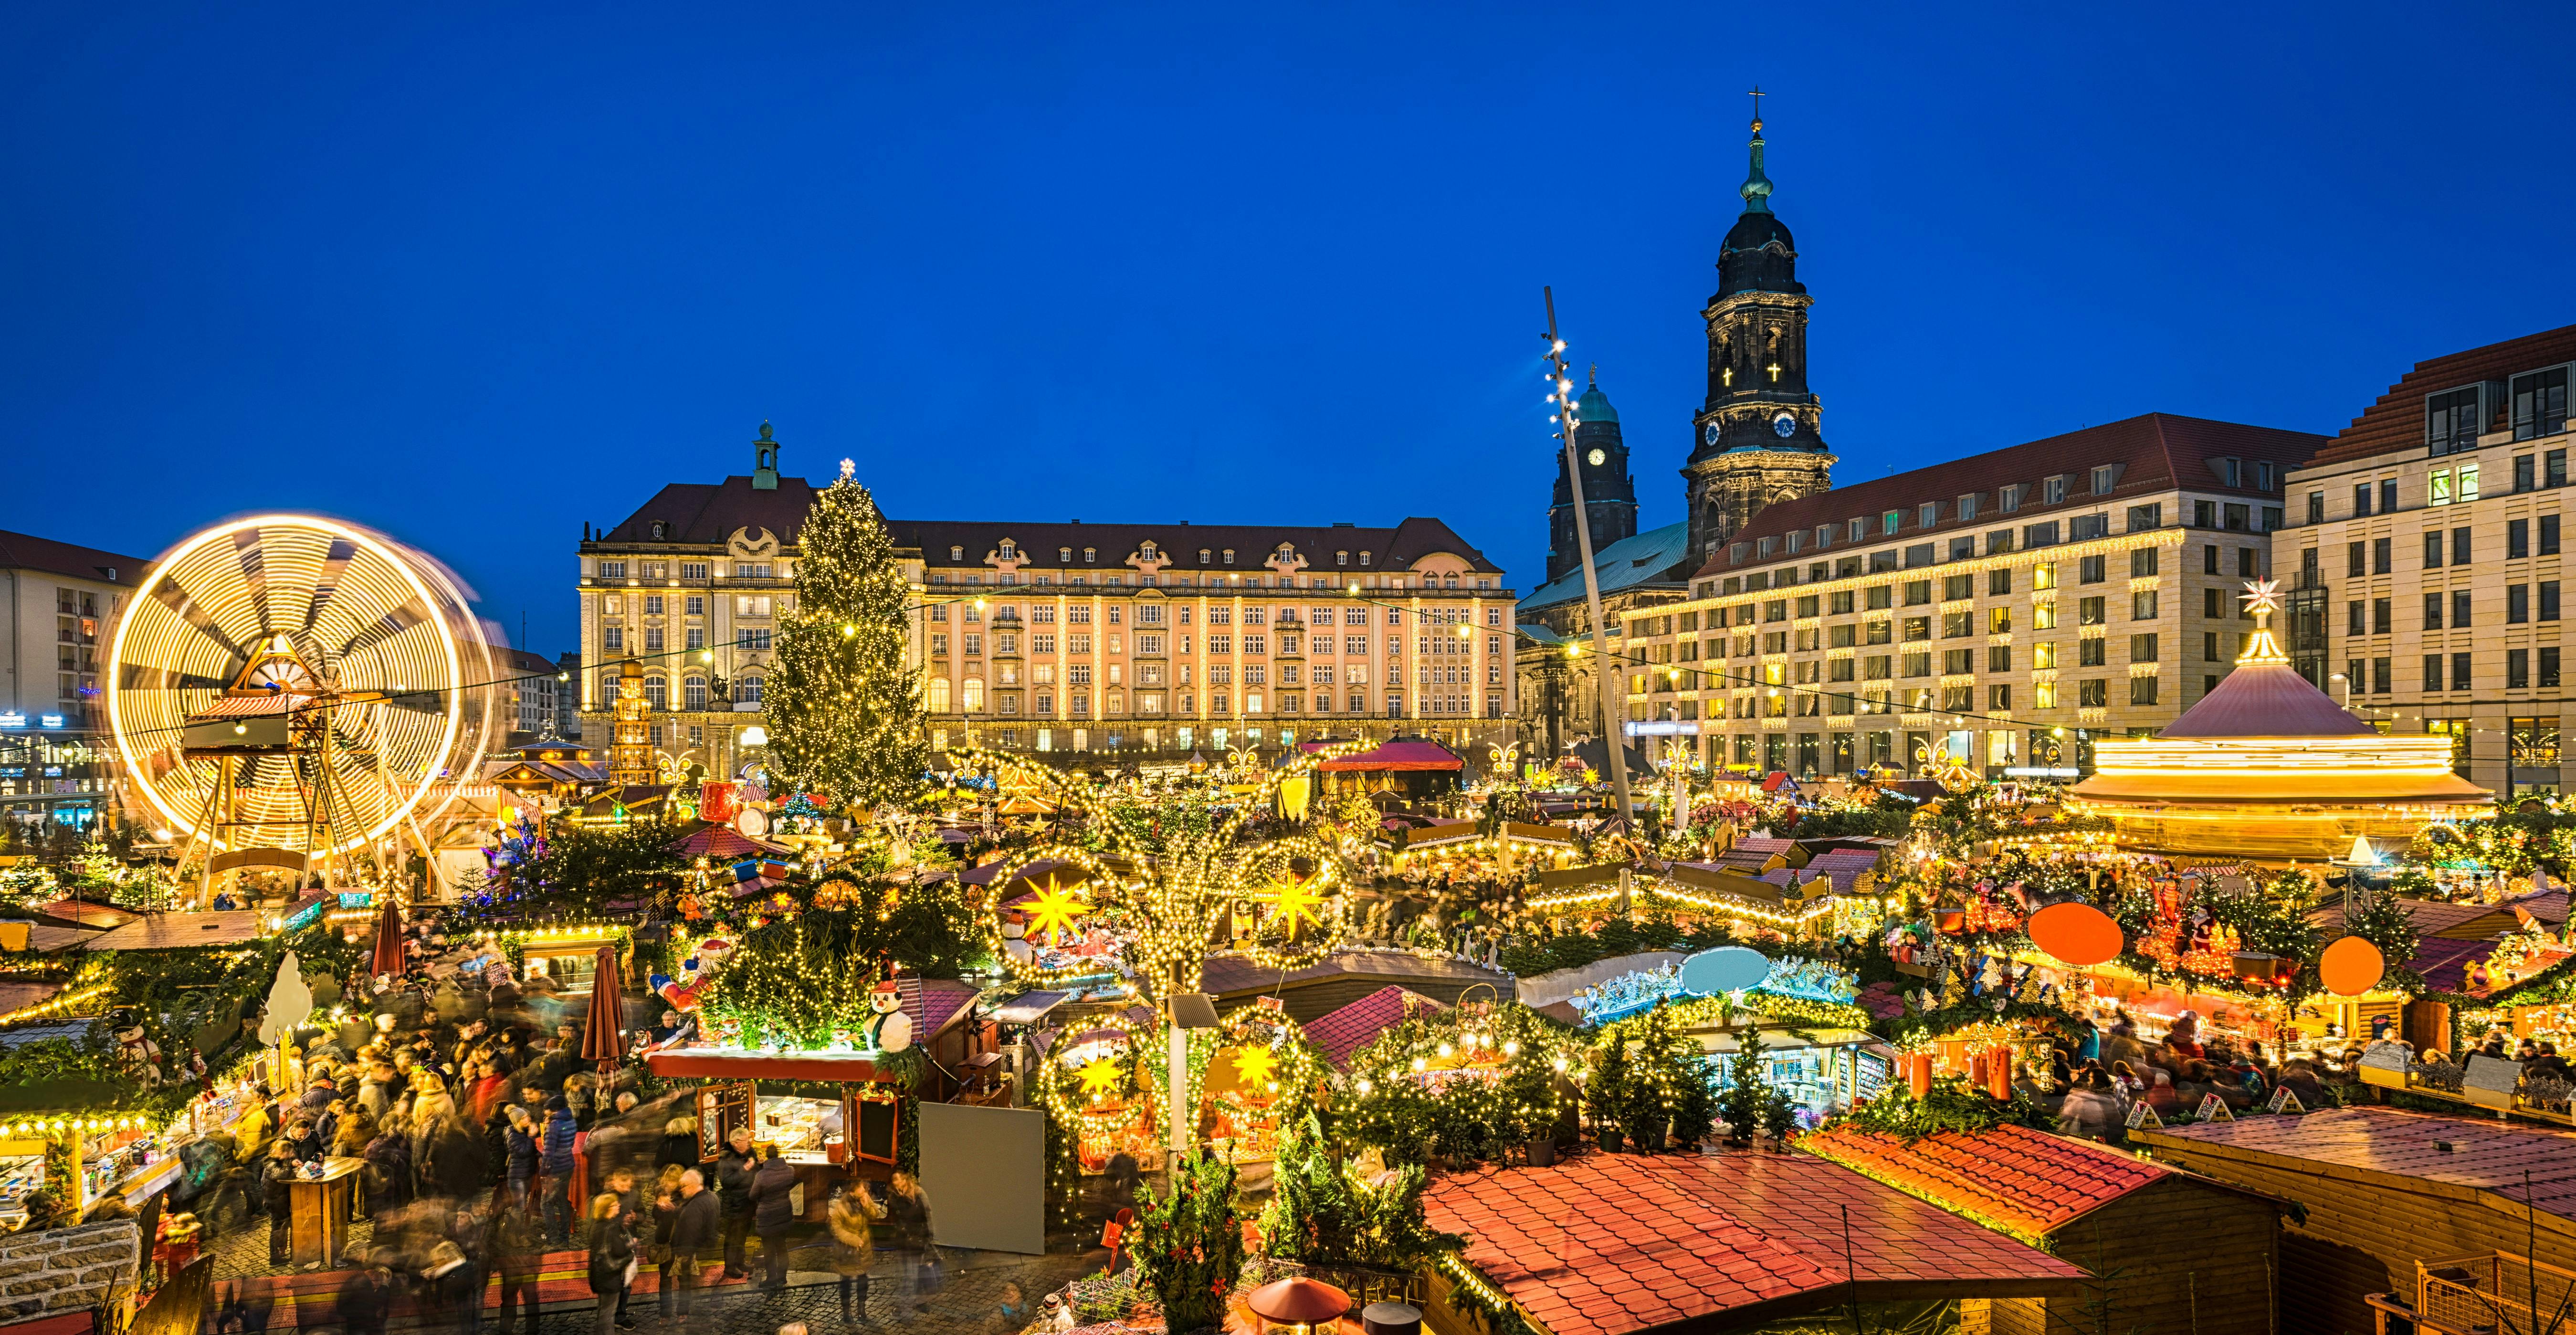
x=387, y=1177
x=854, y=1251
x=2090, y=1111
x=555, y=1144
x=455, y=1167
x=277, y=1181
x=695, y=1226
x=612, y=1253
x=665, y=1206
x=517, y=1245
x=367, y=1296
x=520, y=1141
x=734, y=1168
x=772, y=1212
x=679, y=1143
x=453, y=1297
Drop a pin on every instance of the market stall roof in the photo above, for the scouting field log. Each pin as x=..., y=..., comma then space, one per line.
x=2465, y=922
x=82, y=913
x=2464, y=1158
x=44, y=938
x=19, y=996
x=1609, y=1244
x=174, y=931
x=1784, y=1036
x=1339, y=1034
x=2028, y=1182
x=723, y=842
x=1594, y=754
x=1028, y=1007
x=933, y=1003
x=1344, y=976
x=1401, y=756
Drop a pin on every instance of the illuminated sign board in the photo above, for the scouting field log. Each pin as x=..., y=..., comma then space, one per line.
x=12, y=719
x=1664, y=728
x=49, y=720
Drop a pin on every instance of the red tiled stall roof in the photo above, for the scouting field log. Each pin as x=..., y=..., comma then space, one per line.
x=2023, y=1181
x=1341, y=1033
x=2396, y=421
x=2366, y=1144
x=1612, y=1244
x=932, y=1002
x=2155, y=452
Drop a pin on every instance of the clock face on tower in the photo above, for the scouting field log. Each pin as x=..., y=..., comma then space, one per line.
x=1710, y=435
x=1784, y=426
x=1597, y=458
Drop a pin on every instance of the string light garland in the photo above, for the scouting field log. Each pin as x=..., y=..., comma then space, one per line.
x=57, y=1005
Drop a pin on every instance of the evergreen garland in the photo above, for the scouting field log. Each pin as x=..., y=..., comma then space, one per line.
x=844, y=709
x=1320, y=1215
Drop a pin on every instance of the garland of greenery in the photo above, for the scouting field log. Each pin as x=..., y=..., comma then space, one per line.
x=1461, y=1119
x=1920, y=1027
x=1950, y=1105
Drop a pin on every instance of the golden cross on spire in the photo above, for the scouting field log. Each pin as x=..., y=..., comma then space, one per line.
x=1756, y=95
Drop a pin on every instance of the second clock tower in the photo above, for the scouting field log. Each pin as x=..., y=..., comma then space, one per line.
x=1758, y=437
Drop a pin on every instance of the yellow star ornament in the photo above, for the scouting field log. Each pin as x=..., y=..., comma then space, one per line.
x=1057, y=909
x=1099, y=1078
x=1291, y=900
x=1254, y=1067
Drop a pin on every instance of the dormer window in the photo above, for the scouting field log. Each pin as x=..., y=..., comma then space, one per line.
x=1064, y=555
x=2055, y=490
x=1967, y=507
x=1229, y=556
x=1891, y=521
x=2453, y=419
x=1928, y=513
x=661, y=530
x=2540, y=403
x=1009, y=551
x=2008, y=497
x=2230, y=472
x=956, y=553
x=1858, y=530
x=1824, y=535
x=1203, y=556
x=1145, y=551
x=1091, y=554
x=1364, y=556
x=2105, y=477
x=1287, y=552
x=1341, y=558
x=1793, y=539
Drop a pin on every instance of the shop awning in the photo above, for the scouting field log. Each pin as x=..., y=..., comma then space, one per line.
x=712, y=1063
x=1395, y=757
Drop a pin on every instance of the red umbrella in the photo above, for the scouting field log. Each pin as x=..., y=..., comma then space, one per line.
x=389, y=930
x=603, y=1038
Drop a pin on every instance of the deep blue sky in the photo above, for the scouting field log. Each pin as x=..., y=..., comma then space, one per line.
x=476, y=275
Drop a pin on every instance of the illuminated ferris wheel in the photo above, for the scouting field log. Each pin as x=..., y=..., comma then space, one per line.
x=292, y=693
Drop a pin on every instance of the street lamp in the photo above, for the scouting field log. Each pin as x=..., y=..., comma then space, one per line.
x=2347, y=687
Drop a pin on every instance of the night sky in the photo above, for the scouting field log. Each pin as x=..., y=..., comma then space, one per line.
x=476, y=275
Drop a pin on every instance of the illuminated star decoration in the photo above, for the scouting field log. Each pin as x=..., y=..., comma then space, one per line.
x=1293, y=899
x=1099, y=1077
x=2262, y=597
x=1255, y=1066
x=1057, y=909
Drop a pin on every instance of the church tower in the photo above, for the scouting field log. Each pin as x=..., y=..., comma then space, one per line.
x=1757, y=438
x=1609, y=493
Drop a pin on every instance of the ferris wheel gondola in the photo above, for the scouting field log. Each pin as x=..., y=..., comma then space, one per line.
x=295, y=694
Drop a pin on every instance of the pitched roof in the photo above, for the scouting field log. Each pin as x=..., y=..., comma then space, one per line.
x=1396, y=548
x=2386, y=1146
x=1339, y=1034
x=2266, y=700
x=706, y=514
x=1656, y=556
x=1233, y=972
x=2023, y=1182
x=2157, y=452
x=2396, y=420
x=1606, y=1244
x=26, y=551
x=932, y=1002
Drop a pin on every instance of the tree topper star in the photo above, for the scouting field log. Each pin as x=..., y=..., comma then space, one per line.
x=2262, y=597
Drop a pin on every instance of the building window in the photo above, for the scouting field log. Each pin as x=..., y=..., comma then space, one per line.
x=2517, y=669
x=652, y=639
x=657, y=694
x=2459, y=672
x=2540, y=403
x=693, y=692
x=747, y=690
x=2142, y=690
x=970, y=695
x=2451, y=421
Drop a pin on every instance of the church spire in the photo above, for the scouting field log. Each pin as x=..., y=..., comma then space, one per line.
x=1757, y=187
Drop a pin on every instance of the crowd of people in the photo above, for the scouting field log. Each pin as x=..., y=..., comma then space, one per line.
x=487, y=1142
x=2097, y=1076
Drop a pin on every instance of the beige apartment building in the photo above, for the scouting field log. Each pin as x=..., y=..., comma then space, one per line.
x=1063, y=638
x=57, y=761
x=2426, y=552
x=2002, y=609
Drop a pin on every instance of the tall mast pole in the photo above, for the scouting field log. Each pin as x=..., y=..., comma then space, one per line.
x=1613, y=718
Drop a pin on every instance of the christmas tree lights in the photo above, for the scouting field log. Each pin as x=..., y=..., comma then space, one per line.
x=843, y=708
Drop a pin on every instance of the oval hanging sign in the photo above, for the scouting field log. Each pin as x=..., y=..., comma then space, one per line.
x=1725, y=969
x=2350, y=967
x=2078, y=934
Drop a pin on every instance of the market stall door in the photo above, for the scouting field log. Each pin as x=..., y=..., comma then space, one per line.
x=722, y=1107
x=984, y=1172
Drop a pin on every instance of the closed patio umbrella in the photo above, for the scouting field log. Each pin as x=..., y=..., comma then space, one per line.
x=389, y=931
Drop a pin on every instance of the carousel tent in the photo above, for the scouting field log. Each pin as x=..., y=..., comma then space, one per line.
x=2267, y=765
x=1594, y=755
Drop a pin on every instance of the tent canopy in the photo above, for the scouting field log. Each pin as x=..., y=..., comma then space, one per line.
x=1398, y=756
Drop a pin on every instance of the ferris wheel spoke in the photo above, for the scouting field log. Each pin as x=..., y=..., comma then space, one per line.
x=334, y=563
x=144, y=677
x=386, y=627
x=169, y=593
x=252, y=556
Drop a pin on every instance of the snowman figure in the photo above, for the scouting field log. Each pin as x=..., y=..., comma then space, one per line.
x=1015, y=942
x=888, y=1029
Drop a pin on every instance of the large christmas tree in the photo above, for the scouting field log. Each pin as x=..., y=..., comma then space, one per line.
x=845, y=717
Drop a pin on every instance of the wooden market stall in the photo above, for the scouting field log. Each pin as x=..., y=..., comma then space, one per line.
x=2171, y=1250
x=2378, y=1192
x=832, y=1115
